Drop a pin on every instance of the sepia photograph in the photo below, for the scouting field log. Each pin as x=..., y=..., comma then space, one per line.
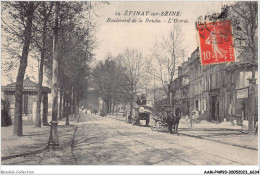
x=161, y=83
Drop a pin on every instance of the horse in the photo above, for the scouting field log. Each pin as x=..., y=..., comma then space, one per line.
x=172, y=120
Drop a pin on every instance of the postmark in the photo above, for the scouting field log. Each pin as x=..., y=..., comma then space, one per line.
x=216, y=42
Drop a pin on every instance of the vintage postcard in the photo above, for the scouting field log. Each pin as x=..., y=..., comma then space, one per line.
x=129, y=83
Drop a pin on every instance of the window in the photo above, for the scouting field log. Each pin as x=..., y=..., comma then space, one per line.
x=207, y=81
x=223, y=78
x=210, y=81
x=201, y=86
x=197, y=105
x=217, y=76
x=232, y=77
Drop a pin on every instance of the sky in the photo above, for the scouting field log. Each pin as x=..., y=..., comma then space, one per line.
x=114, y=38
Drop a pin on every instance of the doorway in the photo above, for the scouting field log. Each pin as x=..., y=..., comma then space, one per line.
x=214, y=108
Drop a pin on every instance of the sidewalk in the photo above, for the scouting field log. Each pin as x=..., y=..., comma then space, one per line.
x=224, y=132
x=34, y=140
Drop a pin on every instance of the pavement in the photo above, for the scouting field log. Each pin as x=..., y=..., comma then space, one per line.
x=32, y=146
x=218, y=132
x=111, y=141
x=95, y=140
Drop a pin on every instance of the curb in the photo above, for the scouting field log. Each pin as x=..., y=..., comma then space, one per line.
x=218, y=141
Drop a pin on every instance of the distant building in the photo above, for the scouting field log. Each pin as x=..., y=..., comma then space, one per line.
x=180, y=89
x=197, y=100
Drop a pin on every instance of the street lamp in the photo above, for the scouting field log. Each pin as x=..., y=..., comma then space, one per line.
x=53, y=139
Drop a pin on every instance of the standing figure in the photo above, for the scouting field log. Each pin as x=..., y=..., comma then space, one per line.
x=215, y=39
x=139, y=101
x=143, y=99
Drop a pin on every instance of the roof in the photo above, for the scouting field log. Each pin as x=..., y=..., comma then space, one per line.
x=28, y=86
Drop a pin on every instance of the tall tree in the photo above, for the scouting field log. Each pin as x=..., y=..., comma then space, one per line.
x=75, y=50
x=132, y=63
x=104, y=79
x=43, y=14
x=166, y=55
x=19, y=26
x=244, y=17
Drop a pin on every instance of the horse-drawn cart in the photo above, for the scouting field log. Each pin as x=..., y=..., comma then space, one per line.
x=166, y=120
x=141, y=112
x=158, y=122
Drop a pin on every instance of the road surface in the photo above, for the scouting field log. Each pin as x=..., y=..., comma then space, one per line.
x=106, y=141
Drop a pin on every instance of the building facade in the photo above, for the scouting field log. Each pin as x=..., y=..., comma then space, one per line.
x=219, y=92
x=180, y=89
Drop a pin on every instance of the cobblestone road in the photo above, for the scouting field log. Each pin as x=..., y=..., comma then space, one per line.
x=106, y=141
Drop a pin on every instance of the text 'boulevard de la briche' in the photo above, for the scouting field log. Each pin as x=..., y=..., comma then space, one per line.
x=130, y=16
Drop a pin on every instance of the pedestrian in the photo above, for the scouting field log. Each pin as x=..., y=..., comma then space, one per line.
x=143, y=98
x=139, y=101
x=186, y=118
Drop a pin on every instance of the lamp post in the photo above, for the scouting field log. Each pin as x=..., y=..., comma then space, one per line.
x=53, y=139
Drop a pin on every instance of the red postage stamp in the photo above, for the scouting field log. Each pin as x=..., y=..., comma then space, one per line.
x=216, y=42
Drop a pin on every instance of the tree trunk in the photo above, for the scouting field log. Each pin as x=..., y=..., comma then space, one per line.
x=45, y=110
x=71, y=101
x=252, y=101
x=64, y=104
x=130, y=114
x=107, y=107
x=76, y=104
x=18, y=129
x=168, y=98
x=67, y=108
x=40, y=74
x=60, y=108
x=113, y=108
x=110, y=106
x=53, y=139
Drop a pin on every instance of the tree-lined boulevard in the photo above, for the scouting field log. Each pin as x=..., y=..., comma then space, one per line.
x=96, y=103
